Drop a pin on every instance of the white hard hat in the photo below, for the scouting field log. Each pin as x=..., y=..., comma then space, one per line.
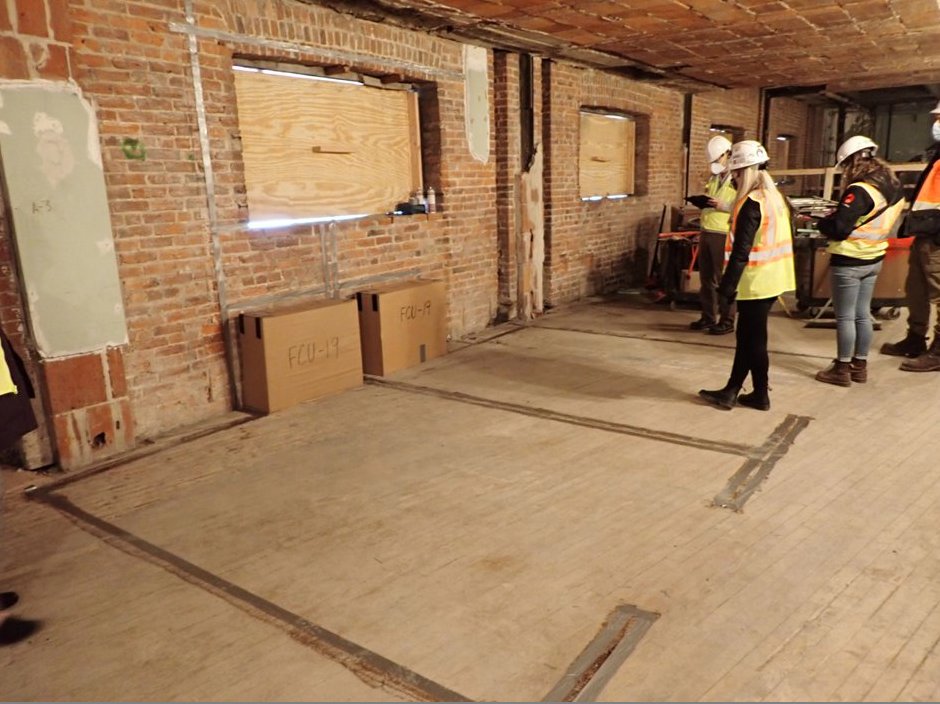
x=854, y=145
x=936, y=110
x=716, y=147
x=747, y=153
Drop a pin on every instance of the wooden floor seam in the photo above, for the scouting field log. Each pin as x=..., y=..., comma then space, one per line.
x=648, y=338
x=372, y=668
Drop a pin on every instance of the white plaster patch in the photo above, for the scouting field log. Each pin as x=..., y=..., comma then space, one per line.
x=105, y=246
x=55, y=154
x=5, y=128
x=93, y=145
x=45, y=123
x=477, y=101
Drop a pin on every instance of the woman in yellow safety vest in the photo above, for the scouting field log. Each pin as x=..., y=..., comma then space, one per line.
x=758, y=268
x=858, y=231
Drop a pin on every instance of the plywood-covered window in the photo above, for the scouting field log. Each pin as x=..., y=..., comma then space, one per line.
x=607, y=155
x=318, y=148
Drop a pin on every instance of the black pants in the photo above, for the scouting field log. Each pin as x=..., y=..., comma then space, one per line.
x=711, y=259
x=750, y=351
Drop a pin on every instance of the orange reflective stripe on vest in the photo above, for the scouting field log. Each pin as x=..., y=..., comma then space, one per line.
x=769, y=270
x=869, y=239
x=929, y=196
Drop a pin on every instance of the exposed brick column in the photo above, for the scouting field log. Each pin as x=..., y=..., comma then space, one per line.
x=508, y=158
x=88, y=403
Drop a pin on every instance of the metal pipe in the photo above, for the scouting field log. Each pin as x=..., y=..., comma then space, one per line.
x=324, y=261
x=334, y=261
x=204, y=144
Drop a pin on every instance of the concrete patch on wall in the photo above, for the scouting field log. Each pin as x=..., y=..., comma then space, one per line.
x=55, y=155
x=477, y=101
x=52, y=163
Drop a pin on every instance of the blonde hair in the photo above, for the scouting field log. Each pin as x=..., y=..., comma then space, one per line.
x=753, y=178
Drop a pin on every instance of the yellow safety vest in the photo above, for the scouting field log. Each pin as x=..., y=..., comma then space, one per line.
x=769, y=271
x=869, y=240
x=719, y=188
x=6, y=380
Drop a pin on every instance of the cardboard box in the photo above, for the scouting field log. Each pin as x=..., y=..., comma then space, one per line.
x=402, y=325
x=295, y=353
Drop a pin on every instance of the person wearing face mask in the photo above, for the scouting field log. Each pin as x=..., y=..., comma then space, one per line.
x=717, y=313
x=758, y=268
x=923, y=276
x=858, y=231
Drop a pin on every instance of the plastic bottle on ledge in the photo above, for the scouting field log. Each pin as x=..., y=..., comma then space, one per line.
x=432, y=200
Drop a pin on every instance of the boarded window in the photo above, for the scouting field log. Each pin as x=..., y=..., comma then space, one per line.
x=318, y=148
x=608, y=146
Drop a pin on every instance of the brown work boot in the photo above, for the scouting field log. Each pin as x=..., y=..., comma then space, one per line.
x=858, y=370
x=911, y=346
x=837, y=373
x=929, y=361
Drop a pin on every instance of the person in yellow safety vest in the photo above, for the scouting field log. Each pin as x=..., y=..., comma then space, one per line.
x=858, y=233
x=923, y=274
x=16, y=419
x=758, y=268
x=717, y=314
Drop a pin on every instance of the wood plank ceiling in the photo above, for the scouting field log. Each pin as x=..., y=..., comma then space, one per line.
x=701, y=44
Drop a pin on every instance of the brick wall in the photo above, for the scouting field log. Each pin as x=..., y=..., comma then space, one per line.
x=136, y=70
x=35, y=37
x=508, y=166
x=597, y=246
x=788, y=117
x=738, y=108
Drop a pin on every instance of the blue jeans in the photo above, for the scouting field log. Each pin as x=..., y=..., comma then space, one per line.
x=852, y=289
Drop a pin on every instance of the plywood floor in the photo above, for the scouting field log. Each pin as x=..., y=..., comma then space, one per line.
x=470, y=526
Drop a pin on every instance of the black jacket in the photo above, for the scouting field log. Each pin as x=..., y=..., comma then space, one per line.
x=16, y=412
x=746, y=226
x=855, y=204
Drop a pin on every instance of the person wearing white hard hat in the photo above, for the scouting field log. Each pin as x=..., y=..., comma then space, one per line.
x=758, y=268
x=858, y=232
x=923, y=275
x=717, y=313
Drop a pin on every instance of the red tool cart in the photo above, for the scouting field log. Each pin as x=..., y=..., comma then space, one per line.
x=674, y=273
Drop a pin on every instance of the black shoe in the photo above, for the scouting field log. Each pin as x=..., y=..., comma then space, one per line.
x=700, y=324
x=722, y=398
x=14, y=630
x=756, y=399
x=911, y=346
x=722, y=328
x=8, y=600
